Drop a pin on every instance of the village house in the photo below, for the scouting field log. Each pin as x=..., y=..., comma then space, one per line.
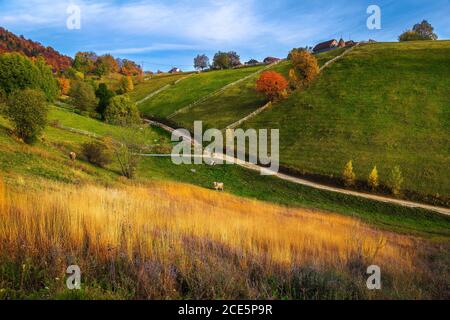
x=332, y=44
x=270, y=60
x=175, y=70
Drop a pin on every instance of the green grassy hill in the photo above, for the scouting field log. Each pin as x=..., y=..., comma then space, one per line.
x=190, y=90
x=384, y=104
x=23, y=166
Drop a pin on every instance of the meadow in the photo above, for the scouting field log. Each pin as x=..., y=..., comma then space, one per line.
x=170, y=241
x=190, y=90
x=383, y=105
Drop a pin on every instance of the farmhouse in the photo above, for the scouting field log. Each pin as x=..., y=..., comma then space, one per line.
x=332, y=44
x=270, y=60
x=175, y=70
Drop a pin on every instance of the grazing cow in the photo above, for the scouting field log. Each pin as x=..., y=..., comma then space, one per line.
x=73, y=156
x=218, y=186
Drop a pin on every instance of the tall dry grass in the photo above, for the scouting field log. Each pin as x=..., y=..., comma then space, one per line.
x=169, y=241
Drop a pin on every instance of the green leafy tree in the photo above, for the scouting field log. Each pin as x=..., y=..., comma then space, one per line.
x=85, y=62
x=348, y=175
x=420, y=31
x=221, y=60
x=122, y=111
x=27, y=109
x=83, y=96
x=106, y=65
x=104, y=96
x=396, y=181
x=126, y=84
x=47, y=82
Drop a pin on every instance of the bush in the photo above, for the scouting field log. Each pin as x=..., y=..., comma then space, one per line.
x=128, y=151
x=348, y=175
x=97, y=153
x=27, y=109
x=396, y=181
x=83, y=96
x=305, y=68
x=122, y=111
x=272, y=84
x=372, y=181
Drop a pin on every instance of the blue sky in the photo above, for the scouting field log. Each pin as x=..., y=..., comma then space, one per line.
x=162, y=34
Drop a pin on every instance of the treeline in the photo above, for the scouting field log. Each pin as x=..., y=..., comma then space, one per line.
x=9, y=42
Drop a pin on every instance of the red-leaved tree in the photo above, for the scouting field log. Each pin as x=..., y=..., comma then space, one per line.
x=272, y=84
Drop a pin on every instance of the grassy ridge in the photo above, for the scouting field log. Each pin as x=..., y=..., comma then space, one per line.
x=191, y=90
x=384, y=104
x=49, y=160
x=157, y=82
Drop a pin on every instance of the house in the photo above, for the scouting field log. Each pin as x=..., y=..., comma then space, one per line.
x=326, y=46
x=175, y=70
x=350, y=43
x=341, y=43
x=270, y=60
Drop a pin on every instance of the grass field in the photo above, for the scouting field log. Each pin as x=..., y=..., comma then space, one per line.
x=149, y=242
x=191, y=90
x=157, y=82
x=383, y=105
x=24, y=165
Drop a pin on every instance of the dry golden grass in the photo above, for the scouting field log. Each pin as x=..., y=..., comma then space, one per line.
x=171, y=241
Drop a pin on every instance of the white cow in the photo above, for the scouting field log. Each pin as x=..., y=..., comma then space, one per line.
x=218, y=186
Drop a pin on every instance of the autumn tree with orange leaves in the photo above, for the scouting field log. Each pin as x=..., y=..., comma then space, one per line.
x=305, y=68
x=64, y=85
x=272, y=84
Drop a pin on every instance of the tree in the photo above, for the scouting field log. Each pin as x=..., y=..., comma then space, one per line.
x=85, y=62
x=130, y=68
x=305, y=68
x=126, y=84
x=348, y=175
x=373, y=179
x=104, y=96
x=201, y=62
x=396, y=181
x=235, y=60
x=83, y=96
x=420, y=31
x=106, y=65
x=122, y=111
x=17, y=72
x=221, y=61
x=128, y=151
x=272, y=84
x=64, y=85
x=97, y=153
x=27, y=109
x=47, y=82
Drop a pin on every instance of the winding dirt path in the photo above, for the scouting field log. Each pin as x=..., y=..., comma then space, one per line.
x=304, y=182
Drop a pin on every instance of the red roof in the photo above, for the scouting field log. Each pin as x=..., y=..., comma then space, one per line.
x=325, y=45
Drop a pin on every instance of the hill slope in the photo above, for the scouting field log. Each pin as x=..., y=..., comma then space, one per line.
x=385, y=104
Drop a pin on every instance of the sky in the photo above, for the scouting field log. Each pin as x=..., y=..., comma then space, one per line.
x=165, y=34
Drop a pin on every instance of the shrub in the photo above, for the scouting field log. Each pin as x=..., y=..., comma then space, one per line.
x=97, y=153
x=83, y=96
x=305, y=68
x=27, y=109
x=396, y=181
x=348, y=175
x=372, y=181
x=122, y=111
x=128, y=150
x=272, y=84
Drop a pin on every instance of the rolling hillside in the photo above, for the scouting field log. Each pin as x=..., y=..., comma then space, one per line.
x=384, y=105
